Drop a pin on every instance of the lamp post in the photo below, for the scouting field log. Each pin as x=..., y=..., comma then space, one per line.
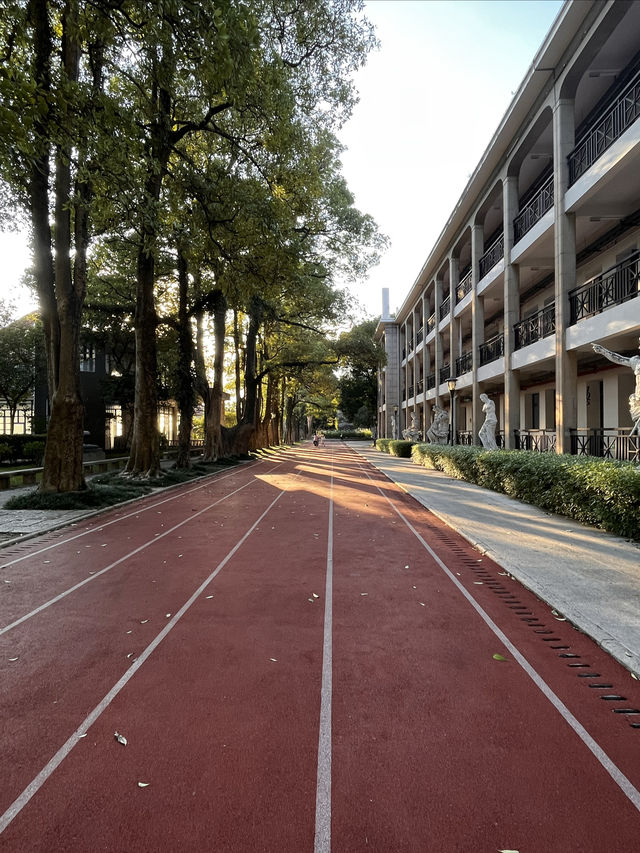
x=451, y=385
x=394, y=423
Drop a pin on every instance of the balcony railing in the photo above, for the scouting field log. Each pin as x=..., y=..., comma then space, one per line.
x=445, y=308
x=410, y=345
x=492, y=349
x=538, y=440
x=404, y=393
x=534, y=210
x=539, y=325
x=612, y=123
x=444, y=372
x=431, y=381
x=606, y=443
x=465, y=437
x=420, y=386
x=464, y=287
x=464, y=363
x=419, y=335
x=492, y=256
x=613, y=287
x=431, y=323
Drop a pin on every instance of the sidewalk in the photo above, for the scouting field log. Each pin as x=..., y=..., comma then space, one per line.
x=591, y=577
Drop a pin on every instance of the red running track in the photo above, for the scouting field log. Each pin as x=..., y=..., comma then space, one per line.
x=301, y=658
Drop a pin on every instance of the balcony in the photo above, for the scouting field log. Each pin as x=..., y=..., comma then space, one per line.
x=444, y=372
x=419, y=335
x=431, y=323
x=492, y=256
x=445, y=308
x=534, y=210
x=464, y=363
x=613, y=287
x=492, y=349
x=464, y=287
x=419, y=386
x=431, y=381
x=539, y=325
x=611, y=124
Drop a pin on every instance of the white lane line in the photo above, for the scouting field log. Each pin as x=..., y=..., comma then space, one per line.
x=108, y=568
x=625, y=784
x=215, y=477
x=34, y=786
x=322, y=841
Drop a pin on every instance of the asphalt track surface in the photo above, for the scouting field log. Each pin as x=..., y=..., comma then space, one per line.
x=301, y=658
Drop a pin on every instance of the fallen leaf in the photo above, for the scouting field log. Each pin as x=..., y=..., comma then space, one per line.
x=633, y=675
x=508, y=851
x=120, y=738
x=275, y=660
x=130, y=655
x=143, y=784
x=315, y=595
x=84, y=735
x=12, y=660
x=129, y=632
x=499, y=657
x=209, y=596
x=311, y=600
x=422, y=604
x=364, y=593
x=167, y=615
x=478, y=583
x=144, y=621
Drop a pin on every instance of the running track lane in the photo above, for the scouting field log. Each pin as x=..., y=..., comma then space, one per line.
x=433, y=745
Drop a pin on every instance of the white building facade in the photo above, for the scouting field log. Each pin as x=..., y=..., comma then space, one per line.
x=539, y=260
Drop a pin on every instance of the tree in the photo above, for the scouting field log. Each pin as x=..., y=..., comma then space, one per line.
x=361, y=358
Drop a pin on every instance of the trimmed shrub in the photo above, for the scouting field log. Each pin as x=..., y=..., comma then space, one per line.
x=5, y=451
x=599, y=492
x=400, y=447
x=17, y=444
x=33, y=451
x=383, y=444
x=348, y=434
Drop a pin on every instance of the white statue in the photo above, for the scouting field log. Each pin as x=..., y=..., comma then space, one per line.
x=394, y=426
x=634, y=399
x=487, y=432
x=438, y=432
x=412, y=433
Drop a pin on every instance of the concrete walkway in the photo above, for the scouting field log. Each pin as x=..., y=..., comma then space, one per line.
x=590, y=577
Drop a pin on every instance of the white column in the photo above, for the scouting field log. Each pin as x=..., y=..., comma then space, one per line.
x=477, y=326
x=511, y=313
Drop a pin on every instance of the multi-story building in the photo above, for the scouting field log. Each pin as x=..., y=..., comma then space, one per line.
x=538, y=261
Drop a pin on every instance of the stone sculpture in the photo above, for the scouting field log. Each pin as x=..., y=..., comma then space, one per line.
x=634, y=399
x=487, y=432
x=438, y=432
x=411, y=433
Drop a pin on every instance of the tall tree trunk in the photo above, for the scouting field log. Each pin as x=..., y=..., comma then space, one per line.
x=62, y=466
x=238, y=366
x=185, y=392
x=213, y=395
x=239, y=440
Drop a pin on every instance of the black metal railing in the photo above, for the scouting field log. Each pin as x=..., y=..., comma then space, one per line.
x=465, y=437
x=404, y=393
x=534, y=210
x=464, y=363
x=419, y=335
x=464, y=287
x=612, y=123
x=492, y=349
x=410, y=344
x=444, y=373
x=445, y=307
x=419, y=386
x=606, y=443
x=430, y=381
x=539, y=325
x=431, y=323
x=613, y=287
x=492, y=256
x=537, y=440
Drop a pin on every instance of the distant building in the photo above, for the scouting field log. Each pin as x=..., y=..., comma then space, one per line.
x=538, y=260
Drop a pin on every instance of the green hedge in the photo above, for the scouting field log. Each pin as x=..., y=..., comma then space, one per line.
x=383, y=444
x=349, y=434
x=599, y=492
x=16, y=447
x=400, y=447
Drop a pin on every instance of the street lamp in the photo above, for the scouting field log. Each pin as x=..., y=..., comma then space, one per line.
x=451, y=385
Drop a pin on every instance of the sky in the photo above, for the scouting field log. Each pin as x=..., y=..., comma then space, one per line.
x=431, y=99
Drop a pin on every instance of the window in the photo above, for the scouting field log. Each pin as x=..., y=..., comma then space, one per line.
x=87, y=359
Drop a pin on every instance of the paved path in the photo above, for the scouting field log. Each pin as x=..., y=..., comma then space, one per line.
x=591, y=577
x=301, y=658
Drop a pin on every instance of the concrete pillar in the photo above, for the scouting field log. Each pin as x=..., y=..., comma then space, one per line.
x=454, y=347
x=511, y=313
x=565, y=274
x=477, y=327
x=392, y=375
x=437, y=340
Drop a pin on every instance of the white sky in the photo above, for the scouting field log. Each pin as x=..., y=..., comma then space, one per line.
x=431, y=99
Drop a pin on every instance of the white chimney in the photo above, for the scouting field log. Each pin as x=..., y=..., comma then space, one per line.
x=385, y=304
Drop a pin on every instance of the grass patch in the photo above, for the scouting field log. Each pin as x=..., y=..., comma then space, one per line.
x=112, y=488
